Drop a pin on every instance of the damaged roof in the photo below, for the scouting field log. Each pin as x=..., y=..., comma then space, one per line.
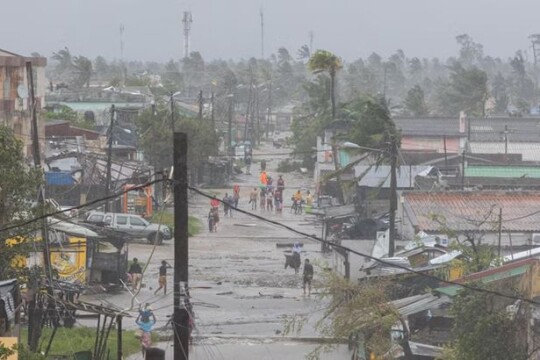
x=473, y=211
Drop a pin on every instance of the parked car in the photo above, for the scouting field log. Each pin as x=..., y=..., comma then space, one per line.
x=131, y=224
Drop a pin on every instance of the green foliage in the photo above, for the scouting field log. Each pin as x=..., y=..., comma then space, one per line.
x=155, y=138
x=415, y=102
x=69, y=341
x=70, y=115
x=18, y=185
x=83, y=70
x=484, y=330
x=371, y=124
x=325, y=61
x=6, y=352
x=167, y=218
x=466, y=91
x=353, y=309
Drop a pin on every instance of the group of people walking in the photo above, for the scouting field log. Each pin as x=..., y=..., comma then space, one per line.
x=268, y=195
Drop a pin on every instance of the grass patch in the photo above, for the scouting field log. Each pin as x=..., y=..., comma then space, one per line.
x=194, y=224
x=69, y=341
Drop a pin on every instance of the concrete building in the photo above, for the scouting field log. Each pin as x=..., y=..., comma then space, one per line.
x=14, y=95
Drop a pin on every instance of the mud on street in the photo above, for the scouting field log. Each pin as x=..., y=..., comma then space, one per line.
x=240, y=291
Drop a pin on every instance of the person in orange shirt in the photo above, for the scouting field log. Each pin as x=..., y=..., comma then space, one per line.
x=263, y=178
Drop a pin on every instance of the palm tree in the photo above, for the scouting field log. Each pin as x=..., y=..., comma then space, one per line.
x=323, y=60
x=64, y=59
x=83, y=69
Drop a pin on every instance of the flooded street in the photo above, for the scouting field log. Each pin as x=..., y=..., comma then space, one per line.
x=241, y=293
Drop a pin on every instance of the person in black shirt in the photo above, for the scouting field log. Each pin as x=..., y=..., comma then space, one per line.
x=163, y=277
x=308, y=276
x=135, y=271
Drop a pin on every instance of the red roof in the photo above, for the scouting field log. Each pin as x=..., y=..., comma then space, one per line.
x=469, y=211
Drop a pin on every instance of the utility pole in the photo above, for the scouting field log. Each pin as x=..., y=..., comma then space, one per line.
x=505, y=139
x=445, y=155
x=393, y=195
x=500, y=233
x=201, y=104
x=231, y=105
x=172, y=113
x=109, y=160
x=311, y=36
x=35, y=314
x=212, y=113
x=269, y=111
x=181, y=314
x=258, y=114
x=463, y=170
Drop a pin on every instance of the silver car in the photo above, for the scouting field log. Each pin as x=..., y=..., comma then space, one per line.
x=131, y=224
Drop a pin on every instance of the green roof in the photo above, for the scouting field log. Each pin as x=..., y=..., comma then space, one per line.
x=452, y=290
x=503, y=172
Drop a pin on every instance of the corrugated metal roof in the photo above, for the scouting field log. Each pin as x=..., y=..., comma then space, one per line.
x=415, y=304
x=380, y=176
x=490, y=275
x=530, y=151
x=429, y=126
x=503, y=171
x=473, y=211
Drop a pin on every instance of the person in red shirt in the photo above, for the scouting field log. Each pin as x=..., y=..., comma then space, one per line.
x=214, y=202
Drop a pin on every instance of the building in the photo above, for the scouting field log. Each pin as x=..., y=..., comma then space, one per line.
x=15, y=110
x=433, y=134
x=506, y=136
x=473, y=214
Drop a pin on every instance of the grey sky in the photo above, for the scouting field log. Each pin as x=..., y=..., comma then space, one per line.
x=230, y=28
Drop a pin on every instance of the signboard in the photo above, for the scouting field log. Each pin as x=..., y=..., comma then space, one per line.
x=70, y=260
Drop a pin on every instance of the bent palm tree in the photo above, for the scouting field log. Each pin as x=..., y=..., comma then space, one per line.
x=323, y=60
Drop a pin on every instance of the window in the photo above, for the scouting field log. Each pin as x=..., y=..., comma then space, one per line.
x=121, y=220
x=96, y=218
x=136, y=221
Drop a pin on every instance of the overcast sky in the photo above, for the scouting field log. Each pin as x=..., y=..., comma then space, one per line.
x=230, y=29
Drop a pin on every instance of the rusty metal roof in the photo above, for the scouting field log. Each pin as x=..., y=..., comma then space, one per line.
x=473, y=211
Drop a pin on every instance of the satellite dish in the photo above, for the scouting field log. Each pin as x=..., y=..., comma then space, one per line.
x=22, y=91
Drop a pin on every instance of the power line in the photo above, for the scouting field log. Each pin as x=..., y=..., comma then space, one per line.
x=384, y=262
x=93, y=202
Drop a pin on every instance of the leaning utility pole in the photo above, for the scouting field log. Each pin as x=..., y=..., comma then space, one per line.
x=36, y=310
x=393, y=195
x=181, y=315
x=109, y=161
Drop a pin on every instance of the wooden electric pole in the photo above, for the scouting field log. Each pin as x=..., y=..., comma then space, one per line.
x=36, y=309
x=108, y=207
x=231, y=108
x=181, y=315
x=393, y=196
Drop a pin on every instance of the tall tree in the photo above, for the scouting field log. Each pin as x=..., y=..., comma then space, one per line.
x=415, y=102
x=466, y=90
x=83, y=70
x=64, y=61
x=325, y=61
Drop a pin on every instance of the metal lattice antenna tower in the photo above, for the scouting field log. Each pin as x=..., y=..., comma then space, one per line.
x=122, y=42
x=262, y=33
x=187, y=20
